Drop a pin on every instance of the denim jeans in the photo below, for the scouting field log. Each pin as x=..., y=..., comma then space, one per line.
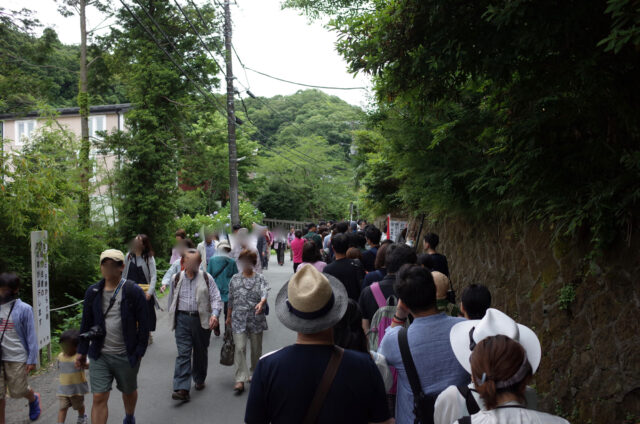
x=191, y=340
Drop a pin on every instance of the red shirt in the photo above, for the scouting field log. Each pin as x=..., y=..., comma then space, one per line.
x=296, y=245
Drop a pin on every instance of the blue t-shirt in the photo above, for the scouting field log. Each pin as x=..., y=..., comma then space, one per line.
x=285, y=382
x=431, y=351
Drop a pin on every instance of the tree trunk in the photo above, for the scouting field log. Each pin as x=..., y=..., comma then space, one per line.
x=84, y=209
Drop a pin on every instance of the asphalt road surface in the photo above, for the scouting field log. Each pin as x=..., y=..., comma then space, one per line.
x=217, y=403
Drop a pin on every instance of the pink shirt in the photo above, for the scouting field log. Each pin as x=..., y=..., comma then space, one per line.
x=296, y=246
x=319, y=265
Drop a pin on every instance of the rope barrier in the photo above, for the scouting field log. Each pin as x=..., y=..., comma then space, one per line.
x=66, y=307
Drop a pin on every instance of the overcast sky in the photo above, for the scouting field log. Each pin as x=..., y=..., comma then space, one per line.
x=277, y=42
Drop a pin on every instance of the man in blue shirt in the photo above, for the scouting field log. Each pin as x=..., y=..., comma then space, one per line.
x=428, y=337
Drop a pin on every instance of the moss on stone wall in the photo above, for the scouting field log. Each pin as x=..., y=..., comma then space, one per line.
x=590, y=334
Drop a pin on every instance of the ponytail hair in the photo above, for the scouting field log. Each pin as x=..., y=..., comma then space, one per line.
x=499, y=365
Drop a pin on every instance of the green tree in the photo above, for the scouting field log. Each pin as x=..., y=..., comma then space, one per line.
x=163, y=98
x=505, y=108
x=292, y=189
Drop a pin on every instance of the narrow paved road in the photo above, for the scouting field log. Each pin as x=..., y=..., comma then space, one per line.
x=217, y=403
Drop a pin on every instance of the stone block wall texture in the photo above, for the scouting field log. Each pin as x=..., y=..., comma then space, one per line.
x=586, y=313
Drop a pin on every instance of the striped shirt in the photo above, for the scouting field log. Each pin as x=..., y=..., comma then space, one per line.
x=72, y=380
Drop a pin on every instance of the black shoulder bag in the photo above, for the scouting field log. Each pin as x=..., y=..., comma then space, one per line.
x=472, y=405
x=423, y=404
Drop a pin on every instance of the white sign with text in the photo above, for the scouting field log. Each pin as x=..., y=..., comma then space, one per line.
x=40, y=282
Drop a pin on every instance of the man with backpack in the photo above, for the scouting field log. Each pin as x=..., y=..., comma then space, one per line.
x=114, y=333
x=421, y=354
x=194, y=307
x=222, y=267
x=376, y=295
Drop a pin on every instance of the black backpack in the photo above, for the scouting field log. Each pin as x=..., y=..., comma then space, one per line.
x=423, y=404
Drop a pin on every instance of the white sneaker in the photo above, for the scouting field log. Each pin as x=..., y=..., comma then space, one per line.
x=83, y=419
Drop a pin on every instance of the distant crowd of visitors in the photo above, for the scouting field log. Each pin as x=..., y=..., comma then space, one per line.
x=381, y=334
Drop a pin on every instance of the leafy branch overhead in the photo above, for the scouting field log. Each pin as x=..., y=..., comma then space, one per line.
x=499, y=109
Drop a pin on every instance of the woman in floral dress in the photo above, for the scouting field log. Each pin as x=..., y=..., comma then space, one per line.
x=248, y=292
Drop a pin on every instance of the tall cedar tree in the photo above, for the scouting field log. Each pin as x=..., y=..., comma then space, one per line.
x=162, y=98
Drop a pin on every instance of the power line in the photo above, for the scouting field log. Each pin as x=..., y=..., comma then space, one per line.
x=198, y=35
x=207, y=95
x=157, y=43
x=302, y=84
x=300, y=155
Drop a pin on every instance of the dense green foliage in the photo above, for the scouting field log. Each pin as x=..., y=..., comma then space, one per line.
x=159, y=123
x=37, y=192
x=304, y=169
x=493, y=109
x=41, y=70
x=219, y=220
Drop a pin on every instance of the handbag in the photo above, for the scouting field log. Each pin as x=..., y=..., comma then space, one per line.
x=228, y=349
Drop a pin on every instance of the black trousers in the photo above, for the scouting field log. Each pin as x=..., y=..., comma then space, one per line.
x=151, y=305
x=280, y=252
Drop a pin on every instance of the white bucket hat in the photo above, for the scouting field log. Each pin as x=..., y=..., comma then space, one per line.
x=465, y=335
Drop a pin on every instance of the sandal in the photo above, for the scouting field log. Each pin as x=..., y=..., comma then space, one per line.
x=238, y=388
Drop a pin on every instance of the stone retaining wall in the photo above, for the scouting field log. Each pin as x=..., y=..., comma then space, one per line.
x=585, y=312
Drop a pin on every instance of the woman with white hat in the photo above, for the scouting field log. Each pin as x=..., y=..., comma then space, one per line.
x=497, y=387
x=500, y=371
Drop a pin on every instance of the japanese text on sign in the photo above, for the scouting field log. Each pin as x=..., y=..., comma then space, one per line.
x=40, y=280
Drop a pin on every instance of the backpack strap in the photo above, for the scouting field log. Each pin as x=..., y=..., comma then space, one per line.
x=378, y=295
x=176, y=278
x=465, y=420
x=409, y=365
x=472, y=405
x=313, y=412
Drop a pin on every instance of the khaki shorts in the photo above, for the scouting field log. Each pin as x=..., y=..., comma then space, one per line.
x=106, y=368
x=14, y=378
x=76, y=402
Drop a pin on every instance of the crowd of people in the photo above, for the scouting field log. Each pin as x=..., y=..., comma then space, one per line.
x=381, y=335
x=382, y=338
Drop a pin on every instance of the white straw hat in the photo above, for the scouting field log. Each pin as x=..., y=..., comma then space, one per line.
x=465, y=335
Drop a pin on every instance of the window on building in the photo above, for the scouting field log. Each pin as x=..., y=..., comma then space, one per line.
x=24, y=131
x=121, y=121
x=97, y=123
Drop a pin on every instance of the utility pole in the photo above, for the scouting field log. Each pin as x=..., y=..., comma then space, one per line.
x=231, y=119
x=84, y=208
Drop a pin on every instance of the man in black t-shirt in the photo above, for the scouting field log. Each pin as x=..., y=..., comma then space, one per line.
x=373, y=236
x=397, y=255
x=348, y=271
x=437, y=262
x=286, y=381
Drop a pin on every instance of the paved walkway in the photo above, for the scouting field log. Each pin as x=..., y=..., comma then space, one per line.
x=217, y=403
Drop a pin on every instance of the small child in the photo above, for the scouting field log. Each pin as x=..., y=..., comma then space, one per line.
x=73, y=383
x=19, y=345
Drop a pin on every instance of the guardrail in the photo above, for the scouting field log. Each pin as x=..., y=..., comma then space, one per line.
x=283, y=223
